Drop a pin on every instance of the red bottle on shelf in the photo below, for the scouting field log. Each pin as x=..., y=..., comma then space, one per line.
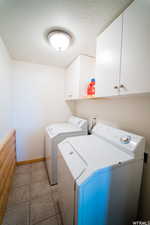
x=91, y=88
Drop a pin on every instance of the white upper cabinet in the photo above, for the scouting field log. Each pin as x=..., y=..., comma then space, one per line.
x=123, y=53
x=122, y=57
x=135, y=66
x=77, y=75
x=108, y=55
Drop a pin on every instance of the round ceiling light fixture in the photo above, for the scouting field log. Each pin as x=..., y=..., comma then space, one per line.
x=60, y=40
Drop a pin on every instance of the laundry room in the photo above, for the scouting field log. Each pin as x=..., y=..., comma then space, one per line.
x=74, y=112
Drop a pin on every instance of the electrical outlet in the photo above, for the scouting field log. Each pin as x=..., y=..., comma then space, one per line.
x=146, y=155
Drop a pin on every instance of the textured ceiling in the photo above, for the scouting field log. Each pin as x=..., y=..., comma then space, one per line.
x=25, y=23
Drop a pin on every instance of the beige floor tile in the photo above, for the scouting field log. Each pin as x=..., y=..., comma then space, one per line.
x=18, y=215
x=21, y=179
x=39, y=189
x=54, y=187
x=55, y=200
x=39, y=175
x=50, y=221
x=41, y=209
x=23, y=169
x=32, y=196
x=19, y=195
x=37, y=166
x=59, y=222
x=55, y=196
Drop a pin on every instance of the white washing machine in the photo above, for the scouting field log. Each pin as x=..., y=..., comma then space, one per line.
x=56, y=133
x=99, y=177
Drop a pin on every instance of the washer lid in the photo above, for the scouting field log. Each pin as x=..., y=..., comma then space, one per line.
x=96, y=153
x=74, y=162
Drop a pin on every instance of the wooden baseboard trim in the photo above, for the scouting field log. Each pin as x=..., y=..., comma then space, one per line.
x=30, y=161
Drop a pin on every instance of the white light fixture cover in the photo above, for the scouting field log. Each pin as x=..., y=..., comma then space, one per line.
x=60, y=40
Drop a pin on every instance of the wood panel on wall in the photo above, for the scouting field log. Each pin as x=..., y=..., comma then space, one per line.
x=7, y=166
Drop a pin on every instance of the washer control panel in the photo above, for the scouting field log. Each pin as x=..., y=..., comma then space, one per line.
x=125, y=139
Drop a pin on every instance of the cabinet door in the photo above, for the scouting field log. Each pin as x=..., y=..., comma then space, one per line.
x=75, y=76
x=108, y=54
x=72, y=80
x=68, y=85
x=135, y=75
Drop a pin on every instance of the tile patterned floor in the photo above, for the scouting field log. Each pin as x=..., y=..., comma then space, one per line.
x=32, y=201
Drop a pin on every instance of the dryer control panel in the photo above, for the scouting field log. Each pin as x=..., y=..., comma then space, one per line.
x=79, y=122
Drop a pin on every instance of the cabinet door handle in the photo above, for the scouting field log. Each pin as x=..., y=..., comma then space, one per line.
x=122, y=86
x=115, y=87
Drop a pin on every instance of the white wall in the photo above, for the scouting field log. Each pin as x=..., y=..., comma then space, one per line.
x=5, y=91
x=37, y=102
x=130, y=113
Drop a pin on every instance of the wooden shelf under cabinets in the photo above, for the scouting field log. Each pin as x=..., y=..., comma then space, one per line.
x=86, y=98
